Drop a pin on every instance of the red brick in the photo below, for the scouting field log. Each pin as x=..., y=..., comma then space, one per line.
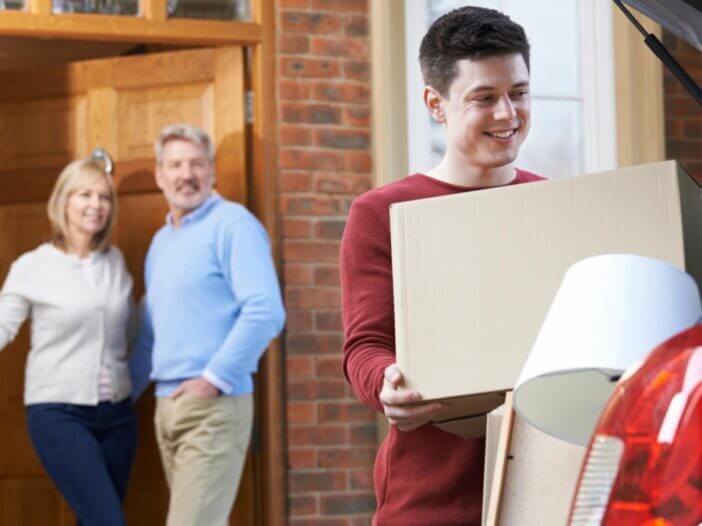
x=346, y=6
x=293, y=3
x=693, y=129
x=310, y=23
x=298, y=274
x=356, y=26
x=342, y=184
x=295, y=181
x=295, y=43
x=329, y=229
x=326, y=389
x=336, y=412
x=314, y=343
x=301, y=413
x=309, y=67
x=317, y=436
x=358, y=162
x=317, y=481
x=348, y=48
x=297, y=228
x=344, y=139
x=357, y=116
x=358, y=70
x=304, y=113
x=309, y=205
x=328, y=321
x=346, y=457
x=319, y=521
x=327, y=276
x=310, y=298
x=362, y=479
x=329, y=367
x=345, y=203
x=302, y=458
x=299, y=321
x=341, y=92
x=300, y=366
x=293, y=89
x=683, y=149
x=361, y=520
x=347, y=504
x=307, y=160
x=303, y=505
x=311, y=251
x=295, y=136
x=364, y=434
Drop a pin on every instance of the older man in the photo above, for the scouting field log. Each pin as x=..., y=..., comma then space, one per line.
x=212, y=306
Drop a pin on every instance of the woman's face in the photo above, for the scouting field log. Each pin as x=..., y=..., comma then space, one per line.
x=88, y=208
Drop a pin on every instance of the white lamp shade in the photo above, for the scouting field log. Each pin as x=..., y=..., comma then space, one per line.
x=608, y=314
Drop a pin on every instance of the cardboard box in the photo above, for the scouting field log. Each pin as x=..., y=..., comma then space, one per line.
x=475, y=273
x=540, y=475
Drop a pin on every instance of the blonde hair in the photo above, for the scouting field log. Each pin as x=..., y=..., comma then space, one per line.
x=183, y=132
x=74, y=176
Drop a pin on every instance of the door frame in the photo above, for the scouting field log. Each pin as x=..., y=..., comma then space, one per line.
x=259, y=36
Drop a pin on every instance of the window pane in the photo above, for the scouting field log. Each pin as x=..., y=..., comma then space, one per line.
x=211, y=9
x=555, y=144
x=555, y=44
x=107, y=7
x=11, y=4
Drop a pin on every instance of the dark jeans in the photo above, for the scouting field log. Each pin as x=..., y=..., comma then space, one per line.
x=88, y=452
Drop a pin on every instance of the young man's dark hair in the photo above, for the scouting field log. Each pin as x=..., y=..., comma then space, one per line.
x=467, y=32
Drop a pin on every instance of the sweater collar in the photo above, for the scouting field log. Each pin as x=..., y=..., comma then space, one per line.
x=198, y=213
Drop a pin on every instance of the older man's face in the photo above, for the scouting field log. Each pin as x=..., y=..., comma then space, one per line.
x=185, y=176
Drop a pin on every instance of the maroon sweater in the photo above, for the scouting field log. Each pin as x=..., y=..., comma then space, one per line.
x=427, y=476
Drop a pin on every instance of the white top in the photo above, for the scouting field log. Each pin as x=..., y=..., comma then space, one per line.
x=79, y=323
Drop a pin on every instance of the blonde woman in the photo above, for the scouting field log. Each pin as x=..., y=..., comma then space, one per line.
x=77, y=292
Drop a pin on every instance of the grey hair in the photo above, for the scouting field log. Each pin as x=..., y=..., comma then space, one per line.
x=183, y=132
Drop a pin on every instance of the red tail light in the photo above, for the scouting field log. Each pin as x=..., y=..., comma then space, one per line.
x=644, y=463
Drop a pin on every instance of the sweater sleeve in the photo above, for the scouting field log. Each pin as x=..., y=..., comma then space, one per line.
x=14, y=306
x=249, y=271
x=367, y=303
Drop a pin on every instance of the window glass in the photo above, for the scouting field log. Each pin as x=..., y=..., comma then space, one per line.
x=11, y=4
x=210, y=9
x=106, y=7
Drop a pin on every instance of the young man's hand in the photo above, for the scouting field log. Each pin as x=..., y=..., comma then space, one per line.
x=395, y=403
x=197, y=387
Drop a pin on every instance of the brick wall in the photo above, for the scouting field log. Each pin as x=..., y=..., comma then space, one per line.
x=324, y=162
x=683, y=116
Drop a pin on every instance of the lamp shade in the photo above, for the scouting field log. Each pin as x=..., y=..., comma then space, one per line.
x=608, y=314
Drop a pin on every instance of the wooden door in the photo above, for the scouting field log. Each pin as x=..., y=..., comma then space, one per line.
x=51, y=116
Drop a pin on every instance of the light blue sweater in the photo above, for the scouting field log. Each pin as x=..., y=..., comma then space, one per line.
x=212, y=301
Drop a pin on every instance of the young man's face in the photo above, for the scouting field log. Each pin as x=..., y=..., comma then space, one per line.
x=486, y=111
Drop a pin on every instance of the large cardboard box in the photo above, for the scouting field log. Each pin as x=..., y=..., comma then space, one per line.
x=475, y=273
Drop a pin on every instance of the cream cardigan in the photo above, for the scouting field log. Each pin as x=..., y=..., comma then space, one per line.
x=76, y=323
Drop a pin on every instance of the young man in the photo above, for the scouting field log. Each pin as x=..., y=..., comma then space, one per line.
x=212, y=306
x=475, y=64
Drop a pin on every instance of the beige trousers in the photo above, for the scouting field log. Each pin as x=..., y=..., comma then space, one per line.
x=203, y=447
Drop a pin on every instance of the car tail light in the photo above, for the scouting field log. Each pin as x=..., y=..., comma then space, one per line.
x=644, y=462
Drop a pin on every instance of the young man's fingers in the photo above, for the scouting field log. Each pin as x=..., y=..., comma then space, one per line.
x=392, y=397
x=414, y=412
x=393, y=375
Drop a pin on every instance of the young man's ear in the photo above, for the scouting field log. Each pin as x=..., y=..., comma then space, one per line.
x=435, y=104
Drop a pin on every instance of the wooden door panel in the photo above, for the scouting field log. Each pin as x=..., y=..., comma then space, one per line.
x=32, y=502
x=52, y=116
x=40, y=133
x=143, y=113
